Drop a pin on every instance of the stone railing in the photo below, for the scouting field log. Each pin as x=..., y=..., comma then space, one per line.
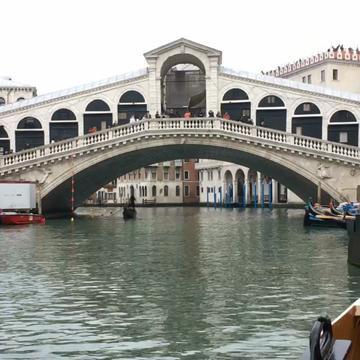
x=181, y=126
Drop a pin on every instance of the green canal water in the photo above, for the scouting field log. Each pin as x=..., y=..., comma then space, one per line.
x=177, y=283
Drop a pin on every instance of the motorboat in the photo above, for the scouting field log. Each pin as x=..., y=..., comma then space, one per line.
x=18, y=218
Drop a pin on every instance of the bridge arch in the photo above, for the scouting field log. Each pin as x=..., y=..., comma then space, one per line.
x=103, y=167
x=97, y=116
x=307, y=120
x=343, y=127
x=2, y=101
x=236, y=103
x=131, y=103
x=271, y=113
x=63, y=125
x=29, y=134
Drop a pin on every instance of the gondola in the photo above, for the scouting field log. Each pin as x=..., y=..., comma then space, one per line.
x=322, y=217
x=337, y=340
x=129, y=212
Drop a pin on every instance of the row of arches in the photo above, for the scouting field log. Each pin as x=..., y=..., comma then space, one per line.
x=64, y=124
x=3, y=101
x=271, y=113
x=307, y=119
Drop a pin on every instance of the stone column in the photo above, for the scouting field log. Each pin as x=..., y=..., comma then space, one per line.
x=211, y=86
x=154, y=93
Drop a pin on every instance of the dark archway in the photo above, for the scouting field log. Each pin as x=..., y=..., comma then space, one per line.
x=63, y=125
x=237, y=104
x=307, y=120
x=253, y=191
x=240, y=182
x=183, y=86
x=2, y=101
x=102, y=171
x=97, y=116
x=4, y=141
x=271, y=113
x=29, y=134
x=131, y=103
x=343, y=128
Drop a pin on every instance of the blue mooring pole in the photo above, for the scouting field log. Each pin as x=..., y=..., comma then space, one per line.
x=244, y=196
x=270, y=195
x=262, y=195
x=214, y=198
x=255, y=196
x=207, y=197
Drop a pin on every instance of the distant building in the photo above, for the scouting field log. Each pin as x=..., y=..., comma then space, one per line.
x=223, y=183
x=10, y=92
x=337, y=68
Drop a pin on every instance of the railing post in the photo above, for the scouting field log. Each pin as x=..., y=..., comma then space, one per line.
x=290, y=139
x=217, y=123
x=1, y=160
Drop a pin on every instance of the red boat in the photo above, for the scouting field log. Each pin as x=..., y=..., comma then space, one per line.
x=13, y=218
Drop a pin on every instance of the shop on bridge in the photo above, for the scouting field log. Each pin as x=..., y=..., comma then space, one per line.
x=63, y=125
x=97, y=116
x=29, y=134
x=307, y=120
x=236, y=103
x=344, y=128
x=131, y=104
x=271, y=113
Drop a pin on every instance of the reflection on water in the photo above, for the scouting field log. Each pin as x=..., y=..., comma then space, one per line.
x=177, y=283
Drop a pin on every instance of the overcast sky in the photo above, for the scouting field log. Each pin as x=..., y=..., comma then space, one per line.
x=56, y=44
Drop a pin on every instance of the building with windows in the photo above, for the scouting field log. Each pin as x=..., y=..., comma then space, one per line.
x=10, y=92
x=337, y=68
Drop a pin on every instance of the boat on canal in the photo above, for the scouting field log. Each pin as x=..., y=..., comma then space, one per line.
x=16, y=218
x=129, y=212
x=336, y=340
x=316, y=215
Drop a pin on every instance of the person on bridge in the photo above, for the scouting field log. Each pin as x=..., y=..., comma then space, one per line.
x=218, y=114
x=157, y=115
x=211, y=113
x=200, y=114
x=187, y=114
x=226, y=116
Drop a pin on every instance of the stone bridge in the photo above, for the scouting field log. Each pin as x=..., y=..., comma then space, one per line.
x=307, y=166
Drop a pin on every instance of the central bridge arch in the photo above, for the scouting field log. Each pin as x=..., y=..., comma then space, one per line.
x=92, y=174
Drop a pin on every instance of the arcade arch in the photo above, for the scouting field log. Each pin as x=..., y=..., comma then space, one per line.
x=307, y=120
x=131, y=103
x=343, y=128
x=4, y=141
x=63, y=125
x=29, y=134
x=271, y=113
x=237, y=104
x=97, y=116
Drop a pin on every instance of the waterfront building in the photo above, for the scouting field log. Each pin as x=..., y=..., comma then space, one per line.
x=223, y=183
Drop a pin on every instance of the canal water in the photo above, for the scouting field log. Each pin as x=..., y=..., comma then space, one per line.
x=177, y=283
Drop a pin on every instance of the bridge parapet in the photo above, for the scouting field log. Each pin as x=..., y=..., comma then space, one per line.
x=180, y=127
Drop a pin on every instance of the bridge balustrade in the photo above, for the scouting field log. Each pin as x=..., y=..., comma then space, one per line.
x=218, y=125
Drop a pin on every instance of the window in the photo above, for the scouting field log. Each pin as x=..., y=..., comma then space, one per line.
x=197, y=191
x=154, y=191
x=20, y=99
x=219, y=174
x=166, y=190
x=322, y=75
x=153, y=174
x=202, y=190
x=306, y=107
x=177, y=174
x=186, y=190
x=186, y=175
x=202, y=175
x=177, y=190
x=145, y=191
x=2, y=101
x=335, y=74
x=166, y=174
x=304, y=79
x=309, y=79
x=271, y=99
x=343, y=137
x=298, y=130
